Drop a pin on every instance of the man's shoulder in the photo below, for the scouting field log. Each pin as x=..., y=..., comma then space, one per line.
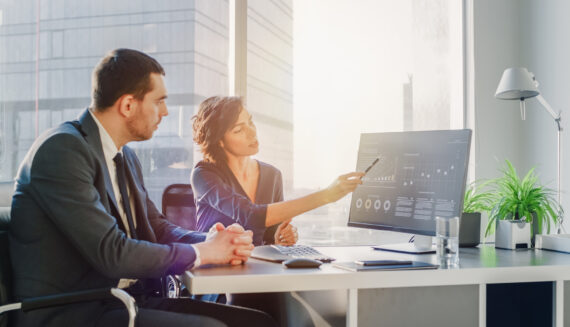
x=53, y=148
x=64, y=135
x=63, y=129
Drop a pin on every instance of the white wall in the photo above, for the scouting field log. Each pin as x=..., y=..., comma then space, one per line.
x=545, y=50
x=496, y=123
x=532, y=34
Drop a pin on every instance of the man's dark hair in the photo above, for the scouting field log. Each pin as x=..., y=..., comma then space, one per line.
x=122, y=71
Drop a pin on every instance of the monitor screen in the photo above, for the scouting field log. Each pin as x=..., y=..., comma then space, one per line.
x=415, y=177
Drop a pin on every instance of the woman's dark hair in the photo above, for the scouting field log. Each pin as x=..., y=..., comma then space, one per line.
x=216, y=115
x=120, y=72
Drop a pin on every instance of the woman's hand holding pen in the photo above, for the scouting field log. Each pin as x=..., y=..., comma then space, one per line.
x=343, y=185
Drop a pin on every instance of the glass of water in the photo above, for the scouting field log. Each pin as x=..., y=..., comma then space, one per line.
x=447, y=241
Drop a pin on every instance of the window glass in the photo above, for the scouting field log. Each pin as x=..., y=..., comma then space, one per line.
x=319, y=73
x=270, y=81
x=45, y=77
x=367, y=66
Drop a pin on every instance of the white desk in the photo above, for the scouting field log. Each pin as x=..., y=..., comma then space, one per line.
x=478, y=266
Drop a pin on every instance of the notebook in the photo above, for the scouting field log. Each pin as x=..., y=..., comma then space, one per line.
x=352, y=266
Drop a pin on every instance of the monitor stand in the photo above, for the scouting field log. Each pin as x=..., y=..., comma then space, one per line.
x=421, y=245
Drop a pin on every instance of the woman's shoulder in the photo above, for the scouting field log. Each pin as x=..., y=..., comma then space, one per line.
x=268, y=168
x=203, y=167
x=206, y=165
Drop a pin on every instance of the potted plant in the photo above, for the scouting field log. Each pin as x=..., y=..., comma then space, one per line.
x=475, y=201
x=522, y=199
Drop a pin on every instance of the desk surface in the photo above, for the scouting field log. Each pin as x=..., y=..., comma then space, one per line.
x=482, y=265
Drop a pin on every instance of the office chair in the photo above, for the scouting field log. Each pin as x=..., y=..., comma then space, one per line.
x=178, y=205
x=51, y=300
x=179, y=208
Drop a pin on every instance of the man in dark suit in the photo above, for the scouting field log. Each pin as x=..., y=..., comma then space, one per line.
x=82, y=219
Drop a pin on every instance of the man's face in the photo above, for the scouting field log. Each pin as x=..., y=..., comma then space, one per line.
x=149, y=111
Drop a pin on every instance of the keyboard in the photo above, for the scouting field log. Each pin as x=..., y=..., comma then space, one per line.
x=280, y=253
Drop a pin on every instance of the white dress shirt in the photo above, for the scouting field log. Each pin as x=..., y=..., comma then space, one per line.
x=110, y=151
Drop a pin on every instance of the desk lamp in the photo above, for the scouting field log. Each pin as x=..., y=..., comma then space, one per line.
x=520, y=84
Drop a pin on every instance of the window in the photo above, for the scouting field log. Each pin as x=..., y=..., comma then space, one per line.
x=46, y=63
x=367, y=66
x=270, y=81
x=319, y=73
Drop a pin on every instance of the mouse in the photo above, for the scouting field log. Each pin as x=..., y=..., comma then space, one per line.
x=302, y=263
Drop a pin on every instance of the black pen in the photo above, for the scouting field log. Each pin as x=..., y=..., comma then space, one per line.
x=371, y=165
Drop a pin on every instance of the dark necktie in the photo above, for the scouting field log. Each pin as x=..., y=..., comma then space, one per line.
x=122, y=180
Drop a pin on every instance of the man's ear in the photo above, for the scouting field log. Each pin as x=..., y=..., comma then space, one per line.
x=127, y=105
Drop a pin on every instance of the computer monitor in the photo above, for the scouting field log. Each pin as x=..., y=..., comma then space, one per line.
x=418, y=176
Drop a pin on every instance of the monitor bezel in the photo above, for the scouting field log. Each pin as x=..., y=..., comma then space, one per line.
x=407, y=229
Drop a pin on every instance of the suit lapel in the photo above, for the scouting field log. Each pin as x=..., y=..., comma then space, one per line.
x=91, y=132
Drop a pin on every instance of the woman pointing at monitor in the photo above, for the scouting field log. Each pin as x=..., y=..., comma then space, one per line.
x=231, y=187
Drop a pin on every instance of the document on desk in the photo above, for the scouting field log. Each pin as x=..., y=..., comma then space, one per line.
x=353, y=266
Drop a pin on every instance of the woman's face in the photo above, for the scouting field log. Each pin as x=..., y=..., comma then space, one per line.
x=241, y=139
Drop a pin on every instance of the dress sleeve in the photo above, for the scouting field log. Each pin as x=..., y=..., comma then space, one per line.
x=209, y=188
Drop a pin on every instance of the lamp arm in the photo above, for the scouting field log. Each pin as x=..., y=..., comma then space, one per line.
x=548, y=108
x=557, y=118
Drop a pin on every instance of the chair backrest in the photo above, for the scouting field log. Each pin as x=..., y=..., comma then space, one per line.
x=178, y=205
x=6, y=190
x=5, y=269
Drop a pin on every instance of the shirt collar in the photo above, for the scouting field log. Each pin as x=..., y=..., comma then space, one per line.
x=109, y=148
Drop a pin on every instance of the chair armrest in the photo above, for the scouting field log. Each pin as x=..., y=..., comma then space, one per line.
x=65, y=298
x=76, y=297
x=129, y=302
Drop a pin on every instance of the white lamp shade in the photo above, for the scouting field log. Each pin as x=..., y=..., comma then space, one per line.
x=516, y=84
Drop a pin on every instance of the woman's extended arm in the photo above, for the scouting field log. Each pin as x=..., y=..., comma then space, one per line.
x=209, y=187
x=282, y=211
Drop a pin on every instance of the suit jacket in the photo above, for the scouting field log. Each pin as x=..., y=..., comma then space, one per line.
x=65, y=234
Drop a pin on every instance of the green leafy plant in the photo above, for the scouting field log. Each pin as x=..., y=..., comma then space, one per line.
x=517, y=198
x=476, y=199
